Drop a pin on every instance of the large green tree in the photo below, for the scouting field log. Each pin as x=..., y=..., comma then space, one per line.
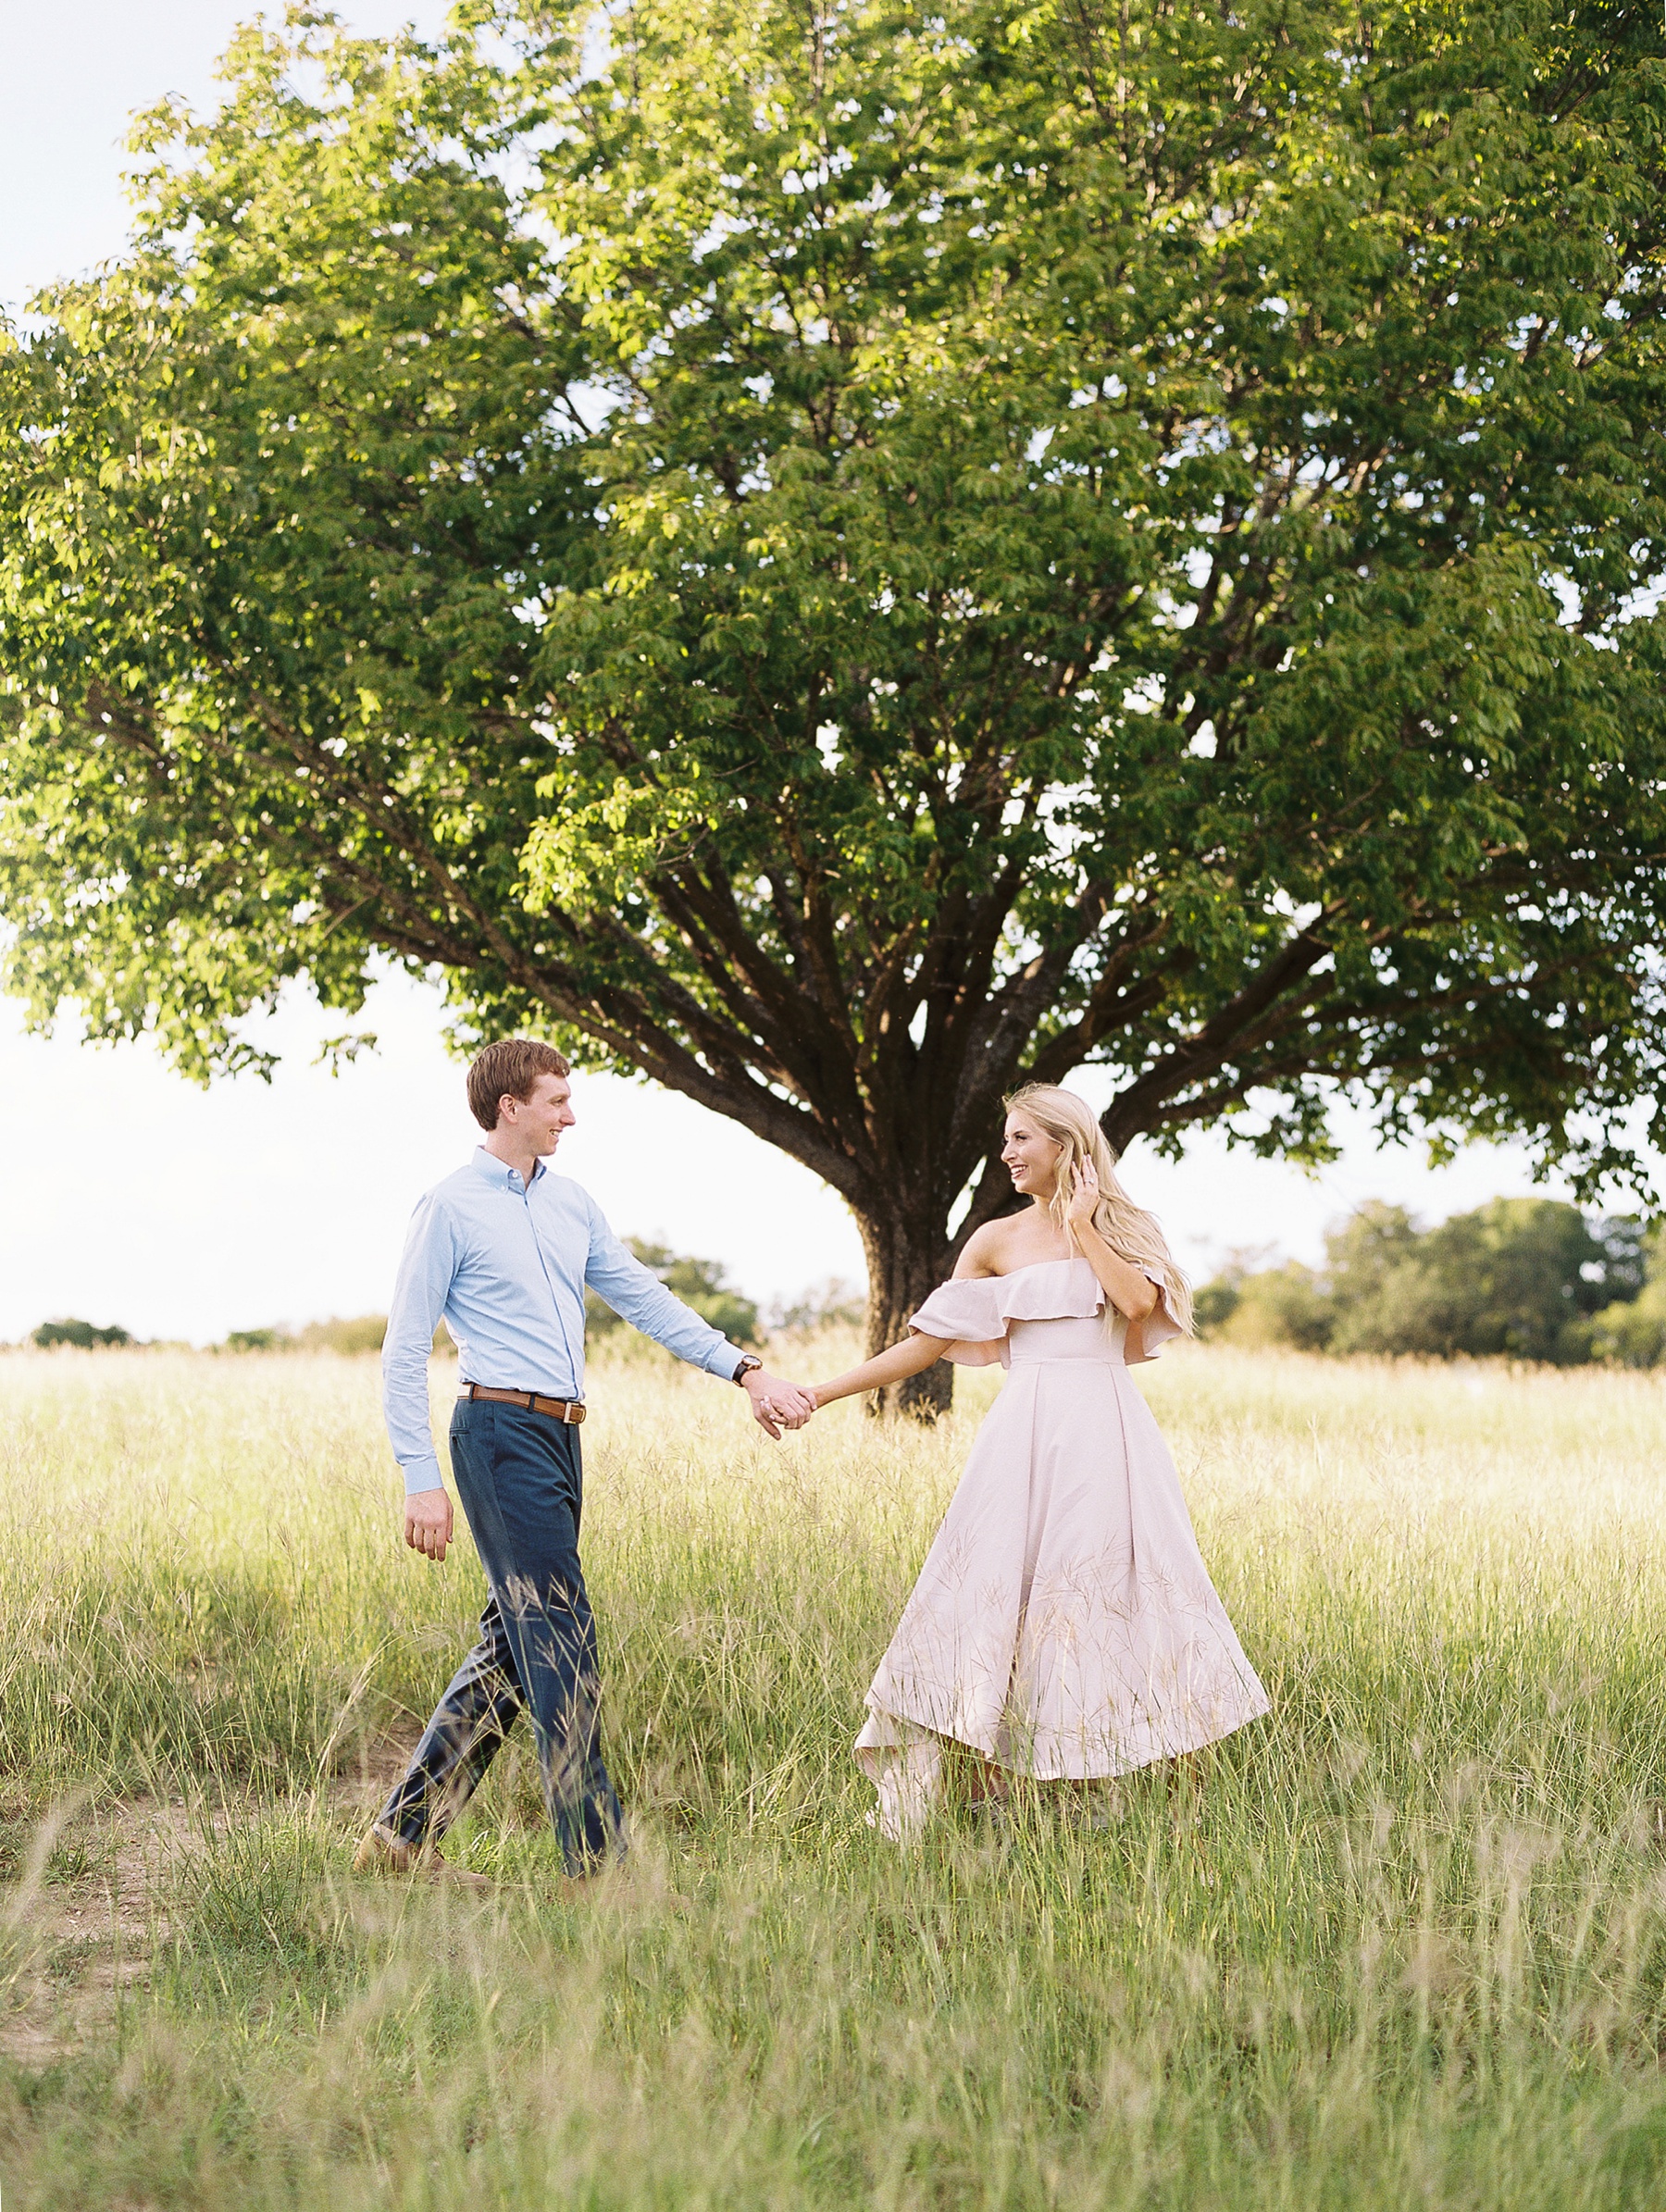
x=844, y=557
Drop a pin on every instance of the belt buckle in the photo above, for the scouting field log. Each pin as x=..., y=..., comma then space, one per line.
x=573, y=1413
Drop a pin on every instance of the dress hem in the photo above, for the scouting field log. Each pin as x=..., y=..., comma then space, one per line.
x=872, y=1755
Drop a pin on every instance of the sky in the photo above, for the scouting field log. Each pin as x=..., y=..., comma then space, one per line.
x=70, y=76
x=131, y=1196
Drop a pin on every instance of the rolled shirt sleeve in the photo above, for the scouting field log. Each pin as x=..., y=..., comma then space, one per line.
x=426, y=1269
x=637, y=1296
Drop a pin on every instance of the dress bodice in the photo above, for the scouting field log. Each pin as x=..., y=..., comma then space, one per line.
x=1054, y=1310
x=1088, y=1338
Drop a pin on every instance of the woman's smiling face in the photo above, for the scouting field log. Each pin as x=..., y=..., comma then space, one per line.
x=1030, y=1156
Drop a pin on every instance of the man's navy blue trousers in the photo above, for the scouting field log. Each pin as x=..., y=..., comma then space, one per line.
x=521, y=1478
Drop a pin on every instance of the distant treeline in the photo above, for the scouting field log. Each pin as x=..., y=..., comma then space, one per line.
x=79, y=1335
x=363, y=1333
x=1519, y=1278
x=699, y=1283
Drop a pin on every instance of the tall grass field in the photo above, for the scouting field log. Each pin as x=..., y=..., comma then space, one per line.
x=1402, y=1944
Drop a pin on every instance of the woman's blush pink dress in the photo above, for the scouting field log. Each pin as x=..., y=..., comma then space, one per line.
x=1063, y=1622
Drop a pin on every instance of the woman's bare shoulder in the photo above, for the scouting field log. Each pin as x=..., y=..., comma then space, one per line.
x=998, y=1248
x=981, y=1253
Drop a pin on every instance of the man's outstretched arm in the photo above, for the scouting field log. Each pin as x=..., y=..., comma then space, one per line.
x=419, y=1295
x=636, y=1293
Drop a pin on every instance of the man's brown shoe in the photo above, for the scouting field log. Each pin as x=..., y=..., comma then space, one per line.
x=383, y=1854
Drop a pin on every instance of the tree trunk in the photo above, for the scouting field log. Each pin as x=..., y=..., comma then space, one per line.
x=908, y=1255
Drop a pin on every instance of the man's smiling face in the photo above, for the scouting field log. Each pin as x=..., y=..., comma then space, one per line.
x=541, y=1115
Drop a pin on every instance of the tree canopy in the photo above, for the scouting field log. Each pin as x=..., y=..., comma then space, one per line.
x=844, y=558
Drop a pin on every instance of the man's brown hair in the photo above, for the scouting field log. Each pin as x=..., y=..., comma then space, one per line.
x=508, y=1070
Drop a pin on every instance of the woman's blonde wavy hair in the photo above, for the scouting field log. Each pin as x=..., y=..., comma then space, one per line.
x=1132, y=1233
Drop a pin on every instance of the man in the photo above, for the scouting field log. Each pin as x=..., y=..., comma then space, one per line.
x=502, y=1250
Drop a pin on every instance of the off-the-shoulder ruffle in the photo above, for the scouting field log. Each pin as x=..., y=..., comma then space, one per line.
x=974, y=1314
x=1158, y=1326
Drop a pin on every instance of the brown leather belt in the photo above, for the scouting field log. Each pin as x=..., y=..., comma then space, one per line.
x=568, y=1410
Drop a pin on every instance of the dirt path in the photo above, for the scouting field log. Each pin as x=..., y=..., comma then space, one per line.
x=86, y=1915
x=82, y=1923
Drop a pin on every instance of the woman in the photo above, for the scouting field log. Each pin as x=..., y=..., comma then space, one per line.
x=1063, y=1624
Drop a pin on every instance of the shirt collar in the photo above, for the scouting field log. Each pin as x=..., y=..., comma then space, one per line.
x=502, y=1178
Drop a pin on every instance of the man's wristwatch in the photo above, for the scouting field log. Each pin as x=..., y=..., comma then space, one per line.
x=748, y=1362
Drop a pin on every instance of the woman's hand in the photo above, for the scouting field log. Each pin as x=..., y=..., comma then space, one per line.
x=776, y=1405
x=1084, y=1197
x=1128, y=1287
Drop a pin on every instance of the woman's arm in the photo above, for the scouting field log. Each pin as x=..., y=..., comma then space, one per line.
x=911, y=1356
x=1129, y=1289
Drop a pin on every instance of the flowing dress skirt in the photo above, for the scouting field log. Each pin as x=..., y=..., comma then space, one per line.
x=1064, y=1623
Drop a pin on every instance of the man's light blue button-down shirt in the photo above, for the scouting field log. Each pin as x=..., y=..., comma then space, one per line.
x=505, y=1266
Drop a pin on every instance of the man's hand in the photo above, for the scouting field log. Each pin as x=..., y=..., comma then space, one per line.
x=776, y=1405
x=429, y=1522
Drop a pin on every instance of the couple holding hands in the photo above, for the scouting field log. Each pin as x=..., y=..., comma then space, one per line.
x=1064, y=1626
